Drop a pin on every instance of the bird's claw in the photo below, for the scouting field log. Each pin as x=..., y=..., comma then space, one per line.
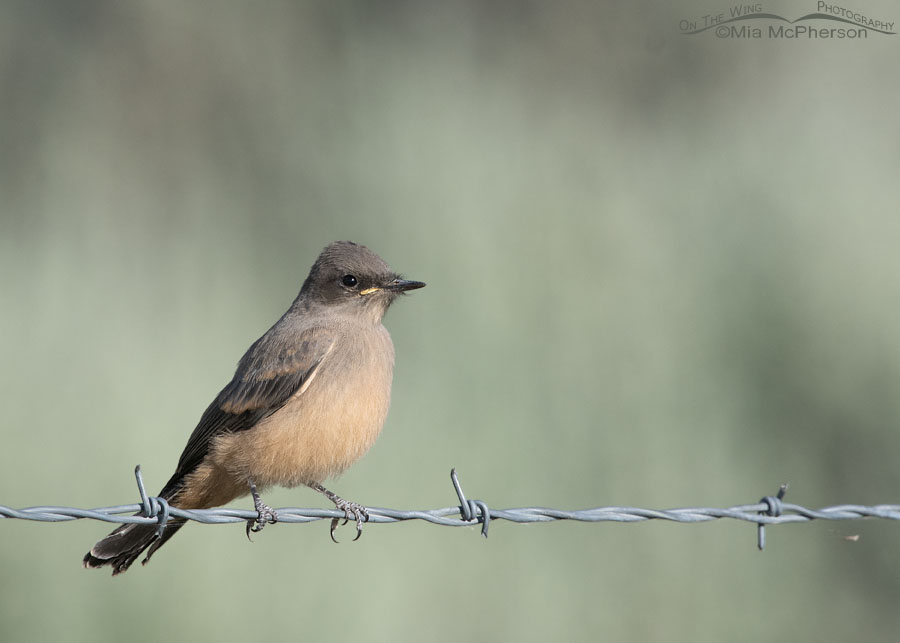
x=351, y=510
x=264, y=514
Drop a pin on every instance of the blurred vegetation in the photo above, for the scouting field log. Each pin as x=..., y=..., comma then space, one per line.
x=662, y=271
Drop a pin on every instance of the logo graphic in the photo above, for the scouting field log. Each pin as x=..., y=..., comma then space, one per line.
x=750, y=21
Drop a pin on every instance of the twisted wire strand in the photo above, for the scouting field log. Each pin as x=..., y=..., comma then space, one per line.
x=220, y=515
x=770, y=510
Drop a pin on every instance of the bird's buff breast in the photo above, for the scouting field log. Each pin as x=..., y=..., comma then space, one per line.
x=326, y=426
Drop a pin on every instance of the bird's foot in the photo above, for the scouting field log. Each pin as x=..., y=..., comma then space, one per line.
x=264, y=513
x=351, y=510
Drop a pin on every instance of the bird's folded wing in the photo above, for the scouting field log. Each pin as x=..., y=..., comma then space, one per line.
x=267, y=376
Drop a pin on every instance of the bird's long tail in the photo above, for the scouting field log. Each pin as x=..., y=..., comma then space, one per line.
x=123, y=546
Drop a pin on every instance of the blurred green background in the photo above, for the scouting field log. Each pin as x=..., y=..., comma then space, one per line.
x=662, y=271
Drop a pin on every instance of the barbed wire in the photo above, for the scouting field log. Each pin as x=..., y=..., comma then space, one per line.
x=770, y=510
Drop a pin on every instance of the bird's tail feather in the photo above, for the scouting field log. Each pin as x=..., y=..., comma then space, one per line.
x=126, y=542
x=123, y=546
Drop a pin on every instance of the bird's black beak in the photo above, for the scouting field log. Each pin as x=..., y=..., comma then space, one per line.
x=402, y=285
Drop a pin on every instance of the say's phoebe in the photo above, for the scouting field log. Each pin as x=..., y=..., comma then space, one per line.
x=307, y=400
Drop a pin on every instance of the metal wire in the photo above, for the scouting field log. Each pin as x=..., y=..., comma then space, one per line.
x=770, y=510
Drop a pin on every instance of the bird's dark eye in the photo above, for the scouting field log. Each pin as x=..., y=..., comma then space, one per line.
x=349, y=281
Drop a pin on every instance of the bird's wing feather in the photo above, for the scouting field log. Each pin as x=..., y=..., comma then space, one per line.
x=267, y=376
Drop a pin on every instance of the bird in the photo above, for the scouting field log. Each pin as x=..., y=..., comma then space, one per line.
x=306, y=401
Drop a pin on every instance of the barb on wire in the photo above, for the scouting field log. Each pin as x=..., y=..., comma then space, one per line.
x=471, y=509
x=770, y=510
x=152, y=506
x=774, y=509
